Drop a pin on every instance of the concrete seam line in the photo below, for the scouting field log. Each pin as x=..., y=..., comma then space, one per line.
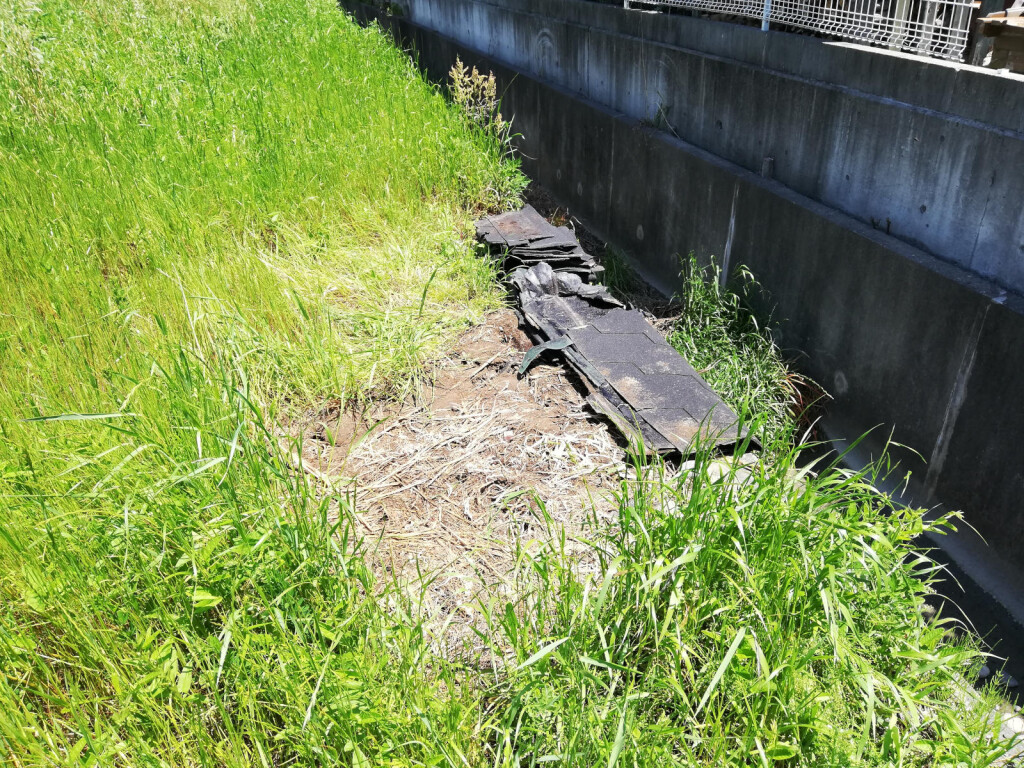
x=956, y=401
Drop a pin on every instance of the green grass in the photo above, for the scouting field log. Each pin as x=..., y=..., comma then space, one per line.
x=722, y=338
x=774, y=621
x=213, y=215
x=217, y=215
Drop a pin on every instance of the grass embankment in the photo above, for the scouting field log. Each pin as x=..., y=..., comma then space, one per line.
x=215, y=214
x=211, y=213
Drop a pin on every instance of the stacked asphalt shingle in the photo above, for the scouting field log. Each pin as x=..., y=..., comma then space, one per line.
x=634, y=377
x=524, y=238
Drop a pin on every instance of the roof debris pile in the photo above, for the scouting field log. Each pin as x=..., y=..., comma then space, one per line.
x=635, y=378
x=524, y=238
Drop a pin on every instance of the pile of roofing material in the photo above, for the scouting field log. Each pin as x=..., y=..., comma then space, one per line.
x=634, y=377
x=523, y=238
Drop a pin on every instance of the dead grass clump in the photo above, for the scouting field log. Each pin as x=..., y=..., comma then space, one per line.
x=448, y=483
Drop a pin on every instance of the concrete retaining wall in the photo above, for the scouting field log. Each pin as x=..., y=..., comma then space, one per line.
x=927, y=350
x=928, y=151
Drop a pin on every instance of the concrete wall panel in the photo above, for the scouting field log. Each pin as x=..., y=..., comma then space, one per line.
x=874, y=134
x=983, y=467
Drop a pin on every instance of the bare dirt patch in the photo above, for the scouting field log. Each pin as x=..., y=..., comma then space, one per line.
x=445, y=485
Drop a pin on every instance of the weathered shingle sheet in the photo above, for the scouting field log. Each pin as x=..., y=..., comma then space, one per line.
x=525, y=238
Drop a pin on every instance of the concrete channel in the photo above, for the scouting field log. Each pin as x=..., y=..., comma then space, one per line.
x=875, y=196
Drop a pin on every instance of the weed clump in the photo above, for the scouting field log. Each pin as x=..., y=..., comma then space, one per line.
x=722, y=338
x=741, y=616
x=476, y=94
x=476, y=97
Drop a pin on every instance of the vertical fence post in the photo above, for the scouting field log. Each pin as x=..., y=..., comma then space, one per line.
x=767, y=15
x=900, y=17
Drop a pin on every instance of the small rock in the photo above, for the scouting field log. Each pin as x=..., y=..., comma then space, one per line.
x=748, y=459
x=1012, y=725
x=1007, y=681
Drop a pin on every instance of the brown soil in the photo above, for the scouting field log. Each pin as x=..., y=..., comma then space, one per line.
x=445, y=485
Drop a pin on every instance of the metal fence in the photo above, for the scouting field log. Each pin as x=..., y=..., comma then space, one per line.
x=926, y=27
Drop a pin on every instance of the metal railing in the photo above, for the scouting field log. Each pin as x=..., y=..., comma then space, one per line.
x=926, y=27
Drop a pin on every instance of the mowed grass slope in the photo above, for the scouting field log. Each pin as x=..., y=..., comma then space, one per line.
x=213, y=213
